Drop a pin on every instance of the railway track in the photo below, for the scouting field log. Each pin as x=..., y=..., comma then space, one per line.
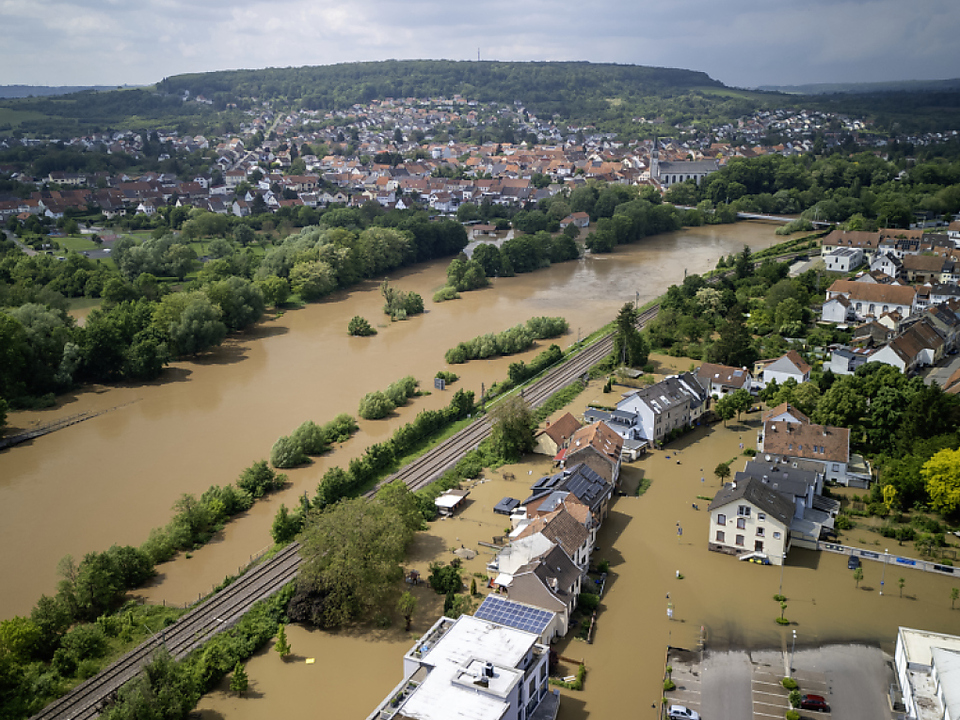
x=213, y=616
x=431, y=465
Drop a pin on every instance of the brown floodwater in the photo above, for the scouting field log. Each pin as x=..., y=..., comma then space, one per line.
x=113, y=478
x=730, y=603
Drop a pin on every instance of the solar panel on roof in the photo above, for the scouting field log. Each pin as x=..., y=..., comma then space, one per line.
x=506, y=612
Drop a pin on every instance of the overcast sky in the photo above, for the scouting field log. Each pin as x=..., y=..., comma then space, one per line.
x=743, y=43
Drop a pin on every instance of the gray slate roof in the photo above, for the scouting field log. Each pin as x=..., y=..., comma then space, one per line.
x=770, y=501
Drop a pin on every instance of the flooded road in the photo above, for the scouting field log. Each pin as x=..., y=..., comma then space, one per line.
x=111, y=479
x=731, y=601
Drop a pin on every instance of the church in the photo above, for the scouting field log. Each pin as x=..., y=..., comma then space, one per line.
x=668, y=173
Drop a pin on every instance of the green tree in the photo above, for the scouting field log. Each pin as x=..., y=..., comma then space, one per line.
x=351, y=562
x=941, y=473
x=724, y=409
x=406, y=606
x=858, y=575
x=239, y=681
x=900, y=583
x=630, y=348
x=282, y=645
x=512, y=432
x=285, y=526
x=954, y=595
x=359, y=327
x=740, y=400
x=240, y=302
x=275, y=290
x=722, y=471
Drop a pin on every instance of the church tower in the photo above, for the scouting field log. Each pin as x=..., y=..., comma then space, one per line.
x=655, y=160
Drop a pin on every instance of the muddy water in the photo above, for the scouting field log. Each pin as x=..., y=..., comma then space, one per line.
x=110, y=479
x=729, y=601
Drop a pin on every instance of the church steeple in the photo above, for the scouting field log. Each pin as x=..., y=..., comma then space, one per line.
x=655, y=160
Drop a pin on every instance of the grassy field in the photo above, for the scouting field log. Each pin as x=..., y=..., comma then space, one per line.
x=10, y=119
x=77, y=243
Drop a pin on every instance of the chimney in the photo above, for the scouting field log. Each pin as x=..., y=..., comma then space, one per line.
x=488, y=669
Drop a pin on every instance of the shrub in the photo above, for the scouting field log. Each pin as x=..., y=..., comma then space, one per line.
x=794, y=698
x=359, y=327
x=375, y=405
x=789, y=683
x=446, y=293
x=587, y=602
x=444, y=579
x=603, y=566
x=400, y=391
x=447, y=377
x=311, y=439
x=790, y=714
x=669, y=685
x=286, y=453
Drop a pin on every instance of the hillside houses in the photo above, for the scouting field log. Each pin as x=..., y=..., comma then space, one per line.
x=851, y=300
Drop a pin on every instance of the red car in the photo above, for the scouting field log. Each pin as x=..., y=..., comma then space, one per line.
x=814, y=702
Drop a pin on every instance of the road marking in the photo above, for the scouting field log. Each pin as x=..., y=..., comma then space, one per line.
x=779, y=717
x=776, y=695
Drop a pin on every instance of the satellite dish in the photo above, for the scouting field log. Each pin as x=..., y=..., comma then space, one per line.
x=767, y=458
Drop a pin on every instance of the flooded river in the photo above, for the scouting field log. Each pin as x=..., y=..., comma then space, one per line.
x=110, y=479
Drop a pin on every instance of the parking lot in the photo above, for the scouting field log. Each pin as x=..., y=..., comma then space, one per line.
x=853, y=679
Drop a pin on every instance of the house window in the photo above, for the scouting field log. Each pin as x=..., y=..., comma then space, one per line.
x=743, y=510
x=721, y=536
x=761, y=516
x=721, y=519
x=741, y=523
x=759, y=532
x=836, y=467
x=758, y=546
x=776, y=536
x=740, y=540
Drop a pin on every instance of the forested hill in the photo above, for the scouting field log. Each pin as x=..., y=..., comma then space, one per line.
x=560, y=87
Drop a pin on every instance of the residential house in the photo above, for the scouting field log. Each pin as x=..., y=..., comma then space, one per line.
x=750, y=517
x=925, y=268
x=471, y=669
x=870, y=300
x=866, y=242
x=844, y=260
x=564, y=529
x=801, y=482
x=556, y=436
x=786, y=367
x=845, y=360
x=927, y=665
x=788, y=435
x=551, y=582
x=578, y=480
x=837, y=310
x=918, y=346
x=599, y=447
x=718, y=380
x=578, y=219
x=652, y=413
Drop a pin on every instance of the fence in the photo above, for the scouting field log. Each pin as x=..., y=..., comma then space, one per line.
x=888, y=559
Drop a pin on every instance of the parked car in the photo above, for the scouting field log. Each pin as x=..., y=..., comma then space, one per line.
x=853, y=562
x=682, y=712
x=814, y=702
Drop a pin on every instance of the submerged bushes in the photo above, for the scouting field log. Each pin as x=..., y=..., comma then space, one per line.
x=377, y=404
x=509, y=342
x=311, y=439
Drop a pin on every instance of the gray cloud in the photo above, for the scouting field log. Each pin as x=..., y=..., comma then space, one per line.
x=740, y=42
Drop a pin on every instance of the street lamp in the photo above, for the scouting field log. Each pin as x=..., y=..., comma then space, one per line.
x=883, y=573
x=783, y=561
x=793, y=650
